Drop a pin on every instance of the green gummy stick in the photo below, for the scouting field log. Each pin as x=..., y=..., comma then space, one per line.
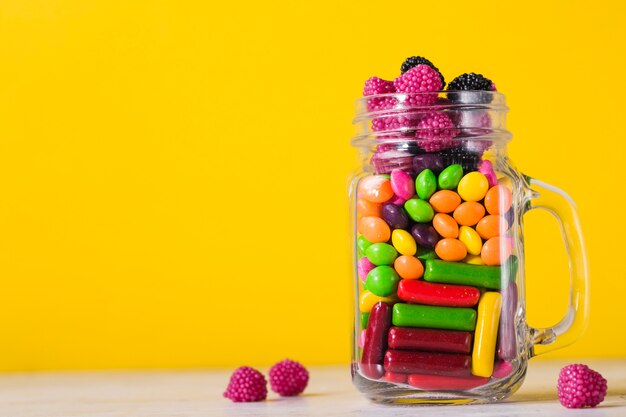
x=434, y=317
x=464, y=274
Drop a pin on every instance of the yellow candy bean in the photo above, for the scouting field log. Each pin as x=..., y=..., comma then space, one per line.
x=471, y=240
x=368, y=299
x=403, y=242
x=473, y=260
x=473, y=186
x=486, y=333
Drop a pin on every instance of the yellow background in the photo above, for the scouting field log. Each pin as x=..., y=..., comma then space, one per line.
x=172, y=173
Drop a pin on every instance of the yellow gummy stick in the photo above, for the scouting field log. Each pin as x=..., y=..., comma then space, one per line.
x=486, y=333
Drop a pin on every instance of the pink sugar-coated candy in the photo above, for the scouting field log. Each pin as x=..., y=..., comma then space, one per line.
x=486, y=168
x=246, y=385
x=288, y=378
x=580, y=386
x=502, y=369
x=362, y=338
x=363, y=267
x=402, y=184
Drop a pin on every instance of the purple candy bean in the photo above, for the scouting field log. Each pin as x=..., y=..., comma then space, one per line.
x=425, y=235
x=395, y=216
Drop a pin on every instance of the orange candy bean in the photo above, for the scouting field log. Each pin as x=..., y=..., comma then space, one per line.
x=498, y=199
x=450, y=250
x=496, y=251
x=408, y=267
x=445, y=201
x=491, y=226
x=445, y=225
x=367, y=208
x=375, y=188
x=374, y=229
x=469, y=213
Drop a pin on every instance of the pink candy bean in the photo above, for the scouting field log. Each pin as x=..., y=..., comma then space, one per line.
x=362, y=339
x=402, y=184
x=502, y=369
x=486, y=168
x=363, y=267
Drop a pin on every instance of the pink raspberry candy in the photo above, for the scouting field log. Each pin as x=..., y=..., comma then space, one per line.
x=374, y=86
x=579, y=386
x=288, y=378
x=419, y=79
x=246, y=385
x=436, y=132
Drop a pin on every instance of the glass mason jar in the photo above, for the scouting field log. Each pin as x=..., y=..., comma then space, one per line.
x=438, y=252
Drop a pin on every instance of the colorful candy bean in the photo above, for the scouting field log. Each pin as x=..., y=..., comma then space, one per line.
x=362, y=338
x=463, y=274
x=402, y=184
x=364, y=317
x=424, y=254
x=425, y=235
x=486, y=168
x=425, y=184
x=445, y=201
x=408, y=362
x=419, y=210
x=381, y=254
x=413, y=338
x=446, y=383
x=375, y=188
x=491, y=225
x=496, y=251
x=498, y=199
x=367, y=208
x=469, y=213
x=473, y=260
x=487, y=322
x=445, y=225
x=421, y=292
x=502, y=369
x=374, y=229
x=434, y=317
x=367, y=300
x=372, y=359
x=363, y=267
x=450, y=250
x=382, y=281
x=473, y=186
x=450, y=177
x=470, y=238
x=362, y=244
x=395, y=216
x=408, y=267
x=403, y=242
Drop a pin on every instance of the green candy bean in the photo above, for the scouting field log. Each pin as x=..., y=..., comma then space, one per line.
x=425, y=253
x=419, y=210
x=364, y=319
x=381, y=254
x=425, y=184
x=463, y=274
x=362, y=244
x=434, y=317
x=382, y=281
x=450, y=177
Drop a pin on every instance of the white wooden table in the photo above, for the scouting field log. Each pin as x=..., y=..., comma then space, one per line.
x=330, y=393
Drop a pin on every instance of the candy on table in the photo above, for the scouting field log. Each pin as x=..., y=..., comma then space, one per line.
x=425, y=235
x=491, y=225
x=408, y=267
x=498, y=199
x=449, y=178
x=473, y=186
x=382, y=281
x=428, y=293
x=381, y=253
x=372, y=358
x=374, y=229
x=364, y=266
x=486, y=333
x=470, y=238
x=367, y=300
x=445, y=225
x=402, y=184
x=445, y=201
x=395, y=216
x=446, y=383
x=425, y=184
x=463, y=274
x=469, y=213
x=414, y=361
x=403, y=242
x=434, y=317
x=375, y=188
x=367, y=208
x=395, y=377
x=451, y=249
x=414, y=338
x=507, y=336
x=419, y=210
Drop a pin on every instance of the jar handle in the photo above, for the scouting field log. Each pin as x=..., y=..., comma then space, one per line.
x=571, y=327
